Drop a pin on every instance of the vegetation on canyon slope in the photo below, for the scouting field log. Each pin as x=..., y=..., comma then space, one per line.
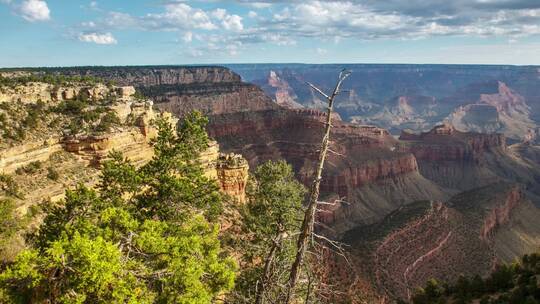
x=508, y=284
x=151, y=234
x=145, y=235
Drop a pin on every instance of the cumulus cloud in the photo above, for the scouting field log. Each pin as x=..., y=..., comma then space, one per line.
x=219, y=30
x=232, y=23
x=176, y=16
x=34, y=10
x=179, y=16
x=373, y=19
x=106, y=38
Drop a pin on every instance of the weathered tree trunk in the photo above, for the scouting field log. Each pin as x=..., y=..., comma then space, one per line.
x=259, y=299
x=309, y=216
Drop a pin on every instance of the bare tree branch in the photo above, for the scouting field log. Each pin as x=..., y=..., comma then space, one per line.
x=309, y=216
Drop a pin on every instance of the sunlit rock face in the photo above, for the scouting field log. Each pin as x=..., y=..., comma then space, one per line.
x=79, y=156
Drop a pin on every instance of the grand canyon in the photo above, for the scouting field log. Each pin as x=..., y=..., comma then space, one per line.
x=433, y=171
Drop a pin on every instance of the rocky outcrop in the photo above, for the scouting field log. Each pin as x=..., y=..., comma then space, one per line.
x=501, y=214
x=243, y=120
x=282, y=93
x=465, y=160
x=232, y=175
x=497, y=108
x=86, y=152
x=13, y=158
x=363, y=169
x=210, y=99
x=46, y=92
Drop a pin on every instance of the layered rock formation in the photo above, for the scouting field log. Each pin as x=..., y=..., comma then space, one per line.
x=414, y=96
x=434, y=240
x=499, y=110
x=365, y=168
x=460, y=160
x=46, y=92
x=152, y=76
x=77, y=157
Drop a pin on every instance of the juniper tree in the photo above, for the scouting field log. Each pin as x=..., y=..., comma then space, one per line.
x=270, y=219
x=144, y=236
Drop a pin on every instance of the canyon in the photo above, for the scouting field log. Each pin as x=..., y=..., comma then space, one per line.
x=445, y=197
x=417, y=97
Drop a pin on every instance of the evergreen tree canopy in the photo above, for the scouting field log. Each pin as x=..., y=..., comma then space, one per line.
x=145, y=235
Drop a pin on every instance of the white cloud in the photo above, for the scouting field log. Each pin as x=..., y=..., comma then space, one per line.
x=187, y=37
x=34, y=10
x=232, y=23
x=260, y=5
x=219, y=13
x=229, y=22
x=321, y=51
x=106, y=38
x=252, y=14
x=179, y=16
x=90, y=24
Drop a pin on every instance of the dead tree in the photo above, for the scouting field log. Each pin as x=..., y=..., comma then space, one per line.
x=306, y=229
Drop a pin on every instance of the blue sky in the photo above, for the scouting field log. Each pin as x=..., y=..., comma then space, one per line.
x=114, y=32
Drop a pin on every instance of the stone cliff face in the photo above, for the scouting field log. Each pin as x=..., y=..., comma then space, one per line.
x=34, y=91
x=210, y=99
x=501, y=214
x=444, y=142
x=373, y=180
x=495, y=108
x=232, y=172
x=417, y=97
x=364, y=169
x=85, y=152
x=159, y=75
x=461, y=160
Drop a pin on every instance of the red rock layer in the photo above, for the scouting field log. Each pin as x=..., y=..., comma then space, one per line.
x=444, y=143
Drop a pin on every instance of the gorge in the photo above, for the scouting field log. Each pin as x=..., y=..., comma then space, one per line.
x=448, y=197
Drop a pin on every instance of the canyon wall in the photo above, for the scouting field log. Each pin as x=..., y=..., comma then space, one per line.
x=150, y=76
x=78, y=157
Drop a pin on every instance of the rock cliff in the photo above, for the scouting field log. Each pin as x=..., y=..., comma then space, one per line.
x=152, y=76
x=76, y=156
x=385, y=193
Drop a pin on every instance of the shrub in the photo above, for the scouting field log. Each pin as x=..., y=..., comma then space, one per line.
x=72, y=107
x=9, y=186
x=52, y=174
x=108, y=121
x=31, y=168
